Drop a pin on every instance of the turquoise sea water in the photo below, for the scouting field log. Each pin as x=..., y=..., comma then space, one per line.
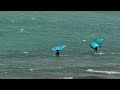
x=27, y=37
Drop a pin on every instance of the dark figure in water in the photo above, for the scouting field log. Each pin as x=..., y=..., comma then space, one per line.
x=95, y=51
x=57, y=53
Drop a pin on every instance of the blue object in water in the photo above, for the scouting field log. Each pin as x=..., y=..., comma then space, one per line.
x=93, y=45
x=59, y=48
x=97, y=42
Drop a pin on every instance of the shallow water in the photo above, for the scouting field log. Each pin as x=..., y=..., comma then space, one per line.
x=27, y=38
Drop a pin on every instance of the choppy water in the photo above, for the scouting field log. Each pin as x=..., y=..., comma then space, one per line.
x=26, y=39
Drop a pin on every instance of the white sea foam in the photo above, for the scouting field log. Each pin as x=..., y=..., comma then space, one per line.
x=100, y=53
x=31, y=69
x=5, y=72
x=112, y=53
x=33, y=18
x=21, y=29
x=89, y=70
x=25, y=52
x=84, y=40
x=60, y=55
x=107, y=72
x=67, y=77
x=60, y=67
x=115, y=53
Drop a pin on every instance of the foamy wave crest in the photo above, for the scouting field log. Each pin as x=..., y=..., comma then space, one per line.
x=67, y=77
x=84, y=40
x=107, y=72
x=60, y=67
x=100, y=53
x=115, y=53
x=61, y=55
x=25, y=52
